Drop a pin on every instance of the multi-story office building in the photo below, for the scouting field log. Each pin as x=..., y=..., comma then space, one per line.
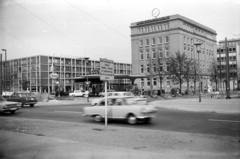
x=164, y=36
x=33, y=73
x=233, y=46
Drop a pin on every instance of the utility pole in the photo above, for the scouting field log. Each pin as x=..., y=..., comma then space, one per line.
x=151, y=86
x=5, y=79
x=227, y=71
x=1, y=74
x=220, y=82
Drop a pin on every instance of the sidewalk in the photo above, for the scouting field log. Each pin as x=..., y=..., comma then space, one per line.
x=38, y=139
x=230, y=106
x=26, y=146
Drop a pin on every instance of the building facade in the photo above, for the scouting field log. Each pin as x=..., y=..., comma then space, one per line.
x=163, y=37
x=34, y=73
x=233, y=47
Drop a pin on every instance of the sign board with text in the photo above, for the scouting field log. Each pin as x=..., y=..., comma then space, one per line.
x=106, y=70
x=54, y=75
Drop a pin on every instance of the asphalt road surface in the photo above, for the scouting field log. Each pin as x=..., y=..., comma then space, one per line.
x=167, y=120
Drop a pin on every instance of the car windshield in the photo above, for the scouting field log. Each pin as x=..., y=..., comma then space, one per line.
x=2, y=99
x=26, y=95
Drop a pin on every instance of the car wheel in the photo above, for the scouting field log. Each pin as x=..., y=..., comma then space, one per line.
x=97, y=118
x=73, y=95
x=31, y=105
x=131, y=119
x=13, y=111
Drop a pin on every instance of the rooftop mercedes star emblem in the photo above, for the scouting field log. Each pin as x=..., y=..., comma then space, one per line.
x=155, y=12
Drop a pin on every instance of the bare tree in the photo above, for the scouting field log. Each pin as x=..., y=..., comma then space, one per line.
x=214, y=71
x=179, y=68
x=161, y=70
x=189, y=66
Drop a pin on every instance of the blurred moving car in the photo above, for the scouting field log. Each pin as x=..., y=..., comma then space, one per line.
x=6, y=106
x=102, y=94
x=120, y=94
x=24, y=98
x=78, y=93
x=130, y=109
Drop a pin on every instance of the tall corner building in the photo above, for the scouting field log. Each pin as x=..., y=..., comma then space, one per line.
x=161, y=37
x=233, y=47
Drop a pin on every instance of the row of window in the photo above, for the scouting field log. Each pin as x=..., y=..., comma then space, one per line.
x=162, y=67
x=229, y=50
x=229, y=43
x=225, y=58
x=230, y=66
x=154, y=54
x=153, y=41
x=190, y=41
x=154, y=28
x=166, y=54
x=197, y=31
x=154, y=82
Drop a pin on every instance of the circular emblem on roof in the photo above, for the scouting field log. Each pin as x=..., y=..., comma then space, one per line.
x=155, y=12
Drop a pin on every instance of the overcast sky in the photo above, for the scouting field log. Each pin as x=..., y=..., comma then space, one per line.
x=99, y=28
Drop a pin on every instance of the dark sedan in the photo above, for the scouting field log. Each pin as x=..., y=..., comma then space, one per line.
x=23, y=98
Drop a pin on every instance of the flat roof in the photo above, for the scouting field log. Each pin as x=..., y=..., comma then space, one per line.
x=170, y=18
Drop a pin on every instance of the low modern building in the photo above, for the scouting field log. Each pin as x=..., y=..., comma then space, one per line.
x=164, y=36
x=34, y=73
x=233, y=47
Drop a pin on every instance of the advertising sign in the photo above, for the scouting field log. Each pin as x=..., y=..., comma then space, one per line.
x=54, y=75
x=106, y=69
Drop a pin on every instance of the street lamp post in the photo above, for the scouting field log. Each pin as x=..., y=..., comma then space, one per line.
x=5, y=79
x=199, y=76
x=86, y=62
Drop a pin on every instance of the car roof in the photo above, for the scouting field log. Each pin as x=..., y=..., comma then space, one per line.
x=118, y=97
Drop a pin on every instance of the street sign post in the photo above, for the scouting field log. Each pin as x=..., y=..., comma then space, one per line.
x=106, y=74
x=106, y=70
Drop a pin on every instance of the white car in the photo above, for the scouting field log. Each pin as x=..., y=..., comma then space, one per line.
x=78, y=93
x=120, y=94
x=6, y=106
x=6, y=94
x=129, y=108
x=102, y=94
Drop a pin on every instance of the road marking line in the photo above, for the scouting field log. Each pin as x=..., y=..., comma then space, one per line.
x=231, y=121
x=67, y=112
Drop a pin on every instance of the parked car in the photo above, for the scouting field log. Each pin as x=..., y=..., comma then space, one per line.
x=25, y=98
x=62, y=93
x=120, y=94
x=130, y=109
x=6, y=106
x=6, y=94
x=78, y=93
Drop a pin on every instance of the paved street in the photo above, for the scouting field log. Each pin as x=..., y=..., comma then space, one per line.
x=167, y=119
